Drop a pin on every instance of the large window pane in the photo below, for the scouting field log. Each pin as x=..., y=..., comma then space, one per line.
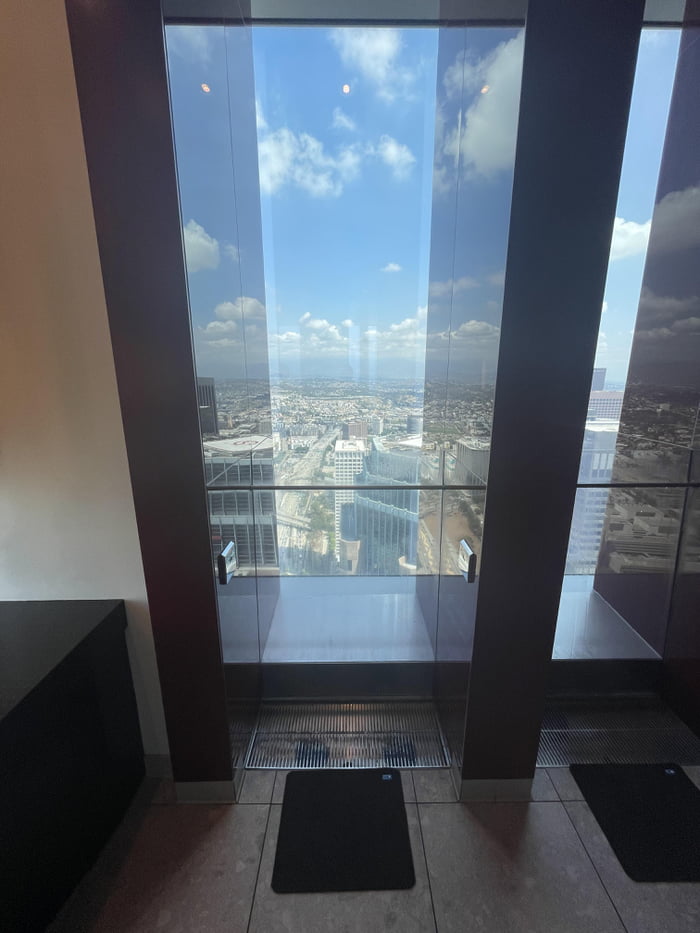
x=345, y=205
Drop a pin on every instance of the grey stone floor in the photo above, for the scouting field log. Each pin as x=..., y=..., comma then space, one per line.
x=537, y=867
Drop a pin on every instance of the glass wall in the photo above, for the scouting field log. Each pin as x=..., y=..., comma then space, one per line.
x=636, y=460
x=345, y=203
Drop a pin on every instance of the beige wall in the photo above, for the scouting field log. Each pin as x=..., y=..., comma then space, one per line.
x=64, y=483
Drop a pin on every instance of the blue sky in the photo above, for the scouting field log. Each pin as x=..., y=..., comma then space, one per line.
x=347, y=215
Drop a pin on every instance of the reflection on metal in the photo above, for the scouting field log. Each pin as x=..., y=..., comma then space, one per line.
x=467, y=561
x=226, y=563
x=348, y=735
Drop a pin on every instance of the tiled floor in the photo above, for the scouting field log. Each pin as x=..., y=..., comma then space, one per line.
x=537, y=867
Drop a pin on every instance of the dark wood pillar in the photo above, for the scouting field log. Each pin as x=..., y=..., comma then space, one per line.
x=119, y=58
x=578, y=71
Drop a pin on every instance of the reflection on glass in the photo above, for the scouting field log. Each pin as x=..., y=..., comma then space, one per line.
x=248, y=519
x=218, y=181
x=462, y=519
x=349, y=532
x=479, y=72
x=682, y=648
x=656, y=64
x=619, y=572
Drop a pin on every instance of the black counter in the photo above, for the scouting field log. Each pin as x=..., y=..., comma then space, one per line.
x=71, y=756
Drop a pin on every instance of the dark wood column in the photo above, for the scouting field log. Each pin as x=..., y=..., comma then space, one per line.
x=577, y=82
x=120, y=71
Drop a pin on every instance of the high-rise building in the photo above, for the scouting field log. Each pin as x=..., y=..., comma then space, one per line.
x=397, y=463
x=206, y=399
x=355, y=429
x=588, y=518
x=349, y=545
x=349, y=463
x=598, y=381
x=414, y=424
x=605, y=405
x=387, y=528
x=239, y=515
x=472, y=460
x=376, y=425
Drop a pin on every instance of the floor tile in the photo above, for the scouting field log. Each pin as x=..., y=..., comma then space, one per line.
x=362, y=911
x=543, y=790
x=434, y=785
x=566, y=786
x=409, y=792
x=178, y=869
x=278, y=789
x=512, y=868
x=644, y=908
x=257, y=787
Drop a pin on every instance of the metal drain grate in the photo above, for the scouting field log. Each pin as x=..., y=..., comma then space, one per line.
x=610, y=719
x=348, y=735
x=616, y=736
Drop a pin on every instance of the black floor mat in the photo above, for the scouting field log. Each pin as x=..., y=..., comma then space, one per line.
x=343, y=831
x=650, y=815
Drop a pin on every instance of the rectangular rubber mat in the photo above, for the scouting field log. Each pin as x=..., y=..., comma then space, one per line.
x=343, y=831
x=650, y=815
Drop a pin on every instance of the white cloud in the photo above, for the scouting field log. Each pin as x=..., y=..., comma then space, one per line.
x=663, y=316
x=397, y=156
x=201, y=250
x=689, y=325
x=238, y=332
x=483, y=137
x=318, y=337
x=391, y=267
x=476, y=329
x=232, y=252
x=260, y=121
x=676, y=221
x=287, y=158
x=374, y=53
x=655, y=333
x=473, y=341
x=341, y=121
x=215, y=329
x=452, y=286
x=300, y=160
x=659, y=309
x=321, y=328
x=405, y=339
x=190, y=43
x=498, y=278
x=243, y=308
x=629, y=238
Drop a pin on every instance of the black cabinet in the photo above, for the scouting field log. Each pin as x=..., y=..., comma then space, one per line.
x=71, y=756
